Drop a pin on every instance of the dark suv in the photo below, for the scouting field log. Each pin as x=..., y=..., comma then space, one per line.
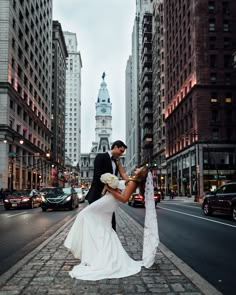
x=222, y=200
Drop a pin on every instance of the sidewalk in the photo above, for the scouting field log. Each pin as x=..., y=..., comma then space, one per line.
x=45, y=270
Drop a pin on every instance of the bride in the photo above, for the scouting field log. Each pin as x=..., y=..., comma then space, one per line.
x=92, y=239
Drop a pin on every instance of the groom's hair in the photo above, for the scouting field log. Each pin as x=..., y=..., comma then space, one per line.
x=119, y=144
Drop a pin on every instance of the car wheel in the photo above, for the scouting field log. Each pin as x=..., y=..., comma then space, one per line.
x=6, y=208
x=32, y=205
x=207, y=209
x=133, y=203
x=44, y=209
x=234, y=213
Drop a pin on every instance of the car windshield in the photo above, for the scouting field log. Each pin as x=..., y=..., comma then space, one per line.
x=55, y=192
x=67, y=190
x=47, y=189
x=21, y=193
x=78, y=190
x=137, y=191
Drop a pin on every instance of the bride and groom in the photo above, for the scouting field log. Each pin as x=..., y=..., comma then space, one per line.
x=92, y=238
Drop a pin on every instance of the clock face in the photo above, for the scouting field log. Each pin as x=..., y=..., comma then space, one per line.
x=103, y=110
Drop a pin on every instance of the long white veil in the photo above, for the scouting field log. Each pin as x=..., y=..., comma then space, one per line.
x=151, y=235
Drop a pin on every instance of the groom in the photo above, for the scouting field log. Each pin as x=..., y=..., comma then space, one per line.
x=107, y=163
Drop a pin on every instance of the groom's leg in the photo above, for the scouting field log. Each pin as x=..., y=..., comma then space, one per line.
x=113, y=221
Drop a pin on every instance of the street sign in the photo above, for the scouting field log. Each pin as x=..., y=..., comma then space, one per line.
x=12, y=153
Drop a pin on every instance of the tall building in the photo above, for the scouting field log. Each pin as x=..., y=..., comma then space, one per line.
x=25, y=92
x=60, y=54
x=200, y=94
x=146, y=95
x=139, y=149
x=158, y=92
x=73, y=100
x=103, y=134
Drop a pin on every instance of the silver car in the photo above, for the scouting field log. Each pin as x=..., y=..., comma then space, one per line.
x=80, y=194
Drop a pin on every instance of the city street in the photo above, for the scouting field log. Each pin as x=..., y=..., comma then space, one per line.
x=23, y=230
x=194, y=238
x=206, y=244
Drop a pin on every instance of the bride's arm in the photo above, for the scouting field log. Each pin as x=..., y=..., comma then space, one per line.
x=122, y=170
x=123, y=197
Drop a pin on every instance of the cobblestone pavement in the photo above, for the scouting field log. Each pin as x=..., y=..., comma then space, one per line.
x=45, y=270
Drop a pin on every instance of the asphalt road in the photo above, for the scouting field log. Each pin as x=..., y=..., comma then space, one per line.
x=23, y=230
x=206, y=244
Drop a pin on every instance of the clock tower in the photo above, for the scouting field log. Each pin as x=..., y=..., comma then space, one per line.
x=103, y=130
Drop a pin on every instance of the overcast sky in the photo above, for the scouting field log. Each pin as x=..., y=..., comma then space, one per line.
x=104, y=30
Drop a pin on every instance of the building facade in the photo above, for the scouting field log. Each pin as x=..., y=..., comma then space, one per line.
x=73, y=100
x=158, y=92
x=59, y=54
x=25, y=93
x=200, y=94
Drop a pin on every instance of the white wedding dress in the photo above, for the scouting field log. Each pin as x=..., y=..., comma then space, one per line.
x=93, y=240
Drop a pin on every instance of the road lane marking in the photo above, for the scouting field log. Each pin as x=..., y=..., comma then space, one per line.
x=182, y=205
x=13, y=215
x=197, y=217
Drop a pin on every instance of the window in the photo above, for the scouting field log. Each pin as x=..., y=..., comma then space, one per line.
x=226, y=26
x=213, y=77
x=213, y=61
x=212, y=42
x=211, y=6
x=214, y=98
x=214, y=115
x=212, y=25
x=215, y=134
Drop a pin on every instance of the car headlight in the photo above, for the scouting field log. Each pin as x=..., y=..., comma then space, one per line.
x=43, y=199
x=25, y=199
x=68, y=198
x=6, y=201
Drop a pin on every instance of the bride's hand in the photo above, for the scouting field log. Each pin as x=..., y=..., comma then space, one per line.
x=106, y=187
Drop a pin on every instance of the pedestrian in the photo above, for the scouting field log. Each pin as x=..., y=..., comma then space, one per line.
x=107, y=162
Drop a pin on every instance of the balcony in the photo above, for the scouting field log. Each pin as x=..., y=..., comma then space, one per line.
x=146, y=83
x=147, y=101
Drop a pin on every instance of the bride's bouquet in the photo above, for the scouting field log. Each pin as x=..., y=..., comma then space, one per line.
x=110, y=179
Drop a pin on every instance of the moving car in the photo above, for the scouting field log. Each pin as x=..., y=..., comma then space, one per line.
x=138, y=199
x=28, y=198
x=60, y=198
x=46, y=190
x=80, y=194
x=222, y=200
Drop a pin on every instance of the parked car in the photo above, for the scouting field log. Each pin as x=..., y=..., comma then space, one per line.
x=28, y=198
x=138, y=199
x=60, y=197
x=80, y=195
x=222, y=200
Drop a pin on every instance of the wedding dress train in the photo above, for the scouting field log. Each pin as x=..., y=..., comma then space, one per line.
x=93, y=241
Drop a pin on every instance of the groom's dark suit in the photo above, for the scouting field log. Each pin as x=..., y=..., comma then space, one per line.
x=102, y=164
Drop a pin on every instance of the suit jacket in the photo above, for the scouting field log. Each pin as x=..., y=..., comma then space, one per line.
x=102, y=164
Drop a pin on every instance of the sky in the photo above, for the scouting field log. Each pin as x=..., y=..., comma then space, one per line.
x=104, y=32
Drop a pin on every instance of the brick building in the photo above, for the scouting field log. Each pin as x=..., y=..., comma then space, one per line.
x=200, y=94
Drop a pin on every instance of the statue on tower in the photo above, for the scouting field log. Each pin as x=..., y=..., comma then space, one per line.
x=103, y=75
